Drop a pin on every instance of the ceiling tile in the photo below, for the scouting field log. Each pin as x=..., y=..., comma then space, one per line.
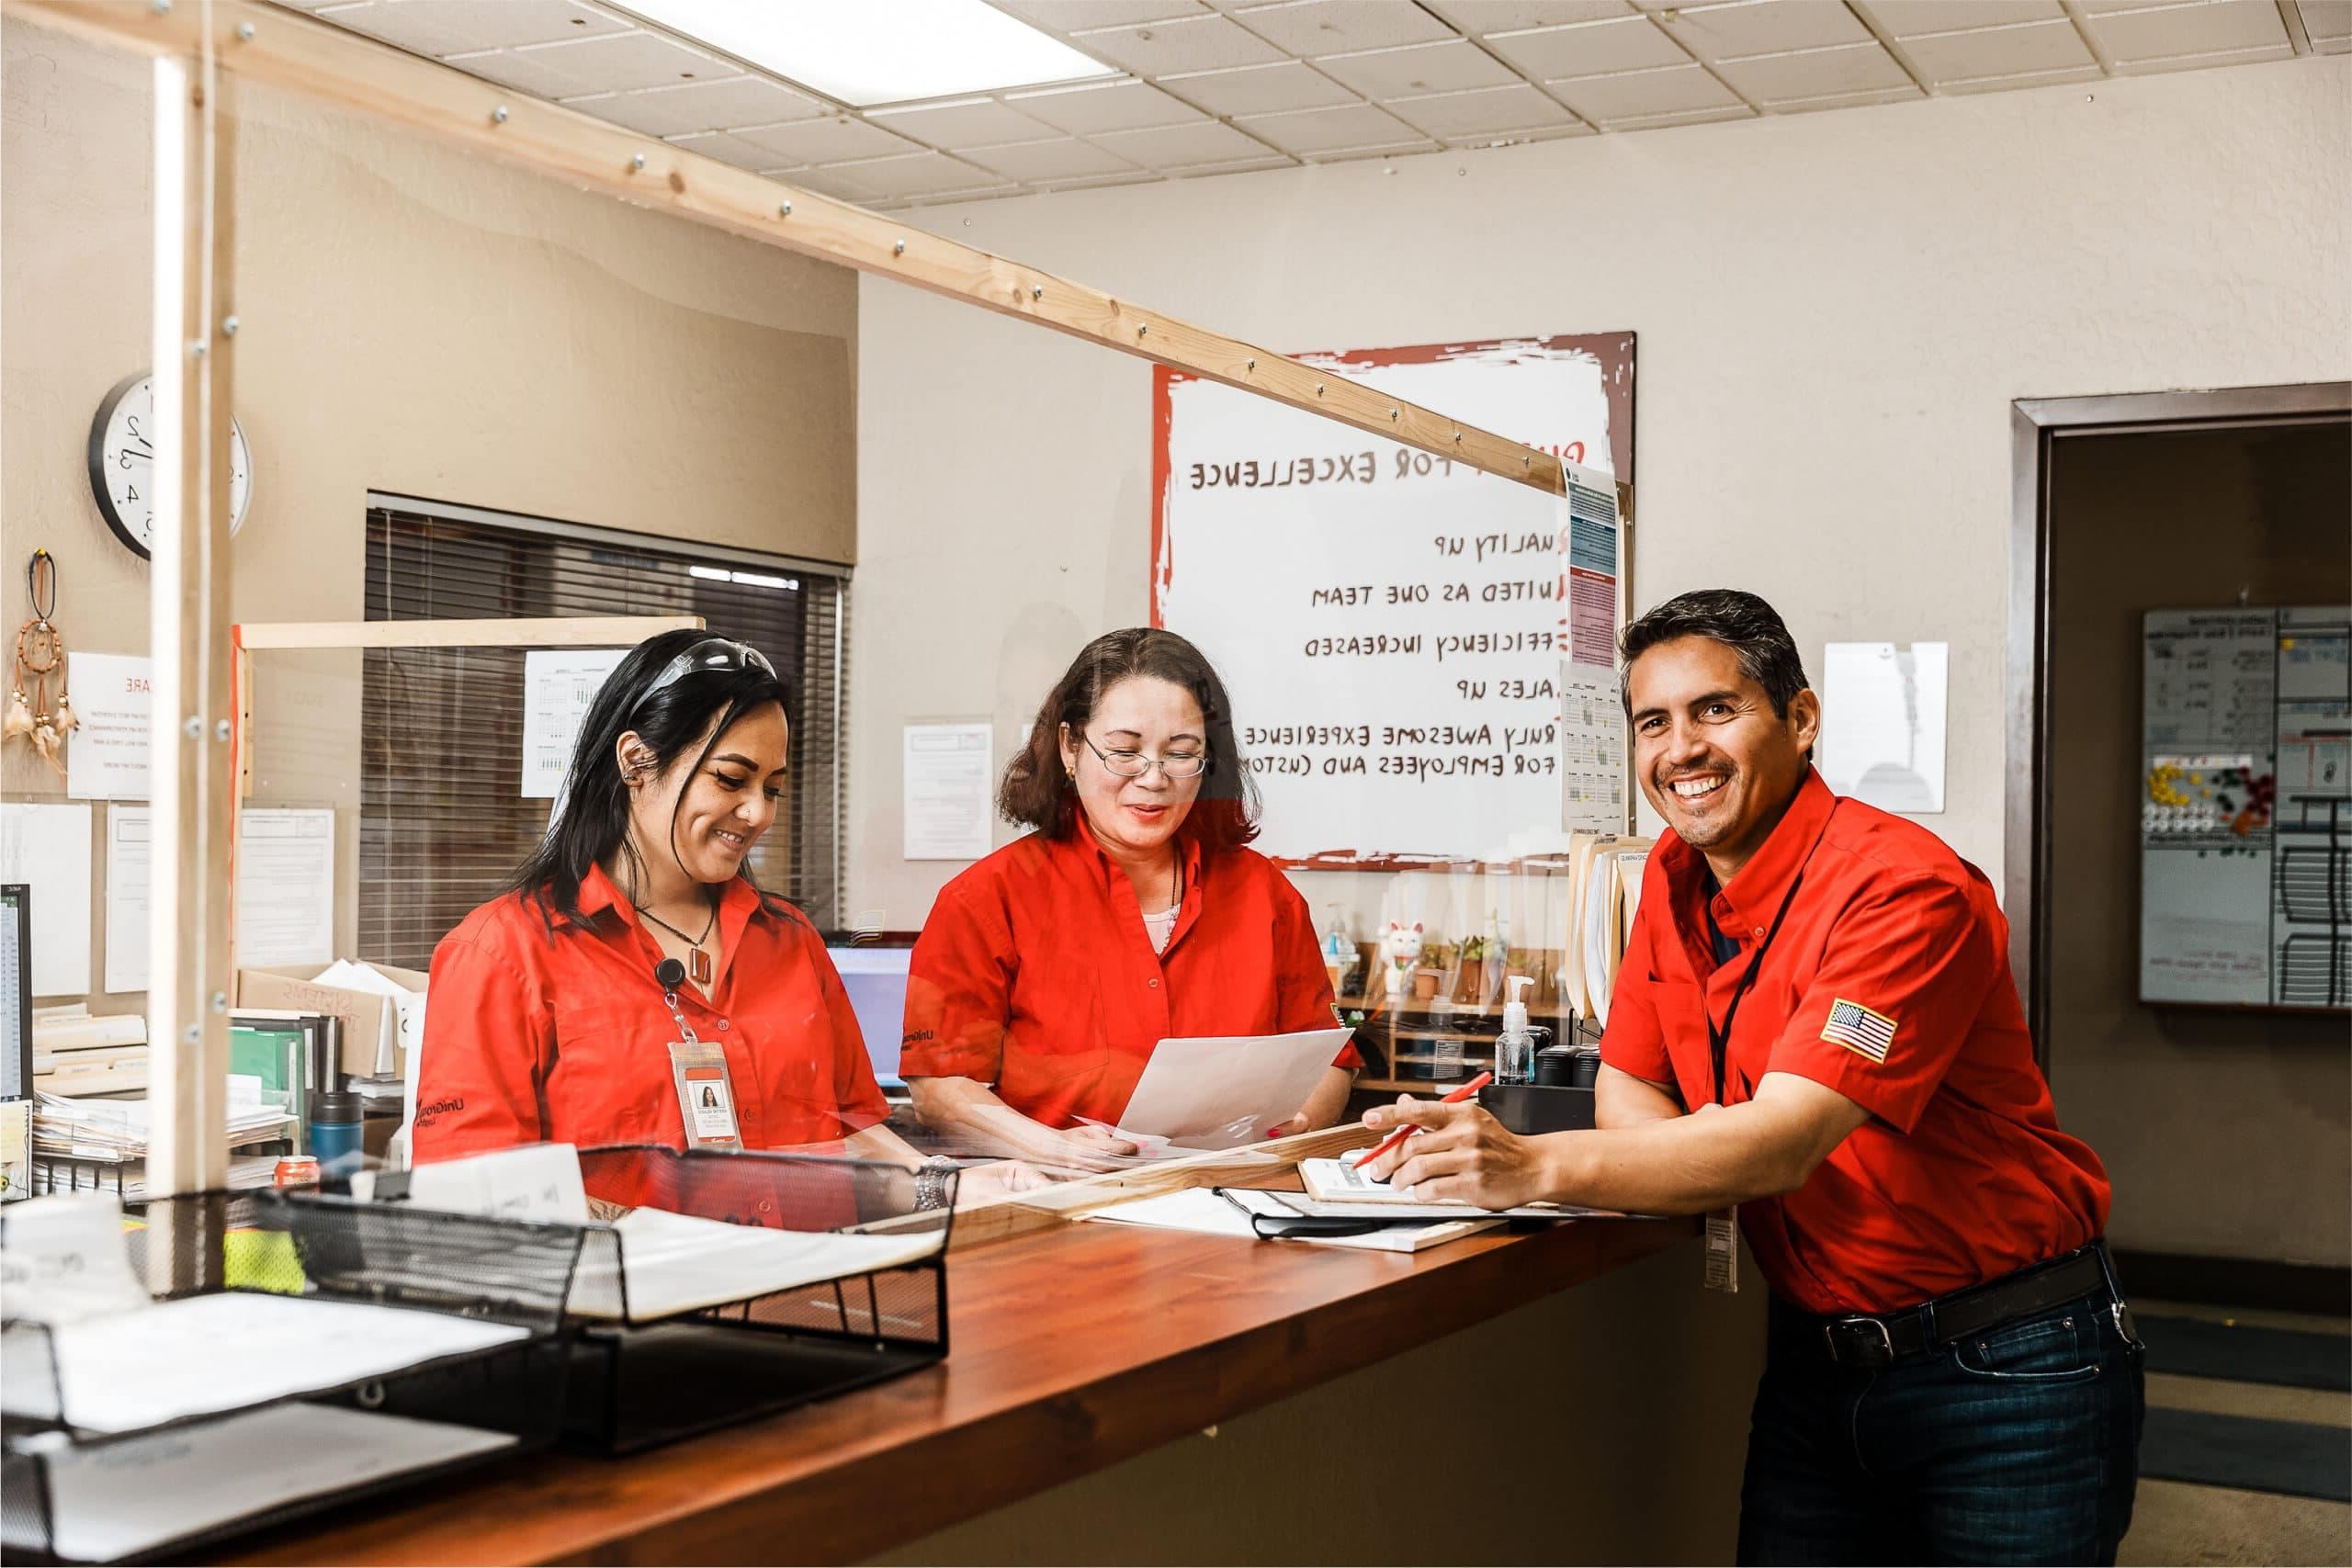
x=1199, y=43
x=1063, y=158
x=918, y=173
x=1848, y=100
x=436, y=28
x=1480, y=16
x=1454, y=66
x=702, y=106
x=2329, y=19
x=1590, y=49
x=2204, y=29
x=1677, y=89
x=1238, y=166
x=2022, y=79
x=1258, y=89
x=2199, y=62
x=1325, y=131
x=1762, y=27
x=2336, y=43
x=1816, y=73
x=1909, y=19
x=1072, y=16
x=1999, y=51
x=1311, y=28
x=1103, y=105
x=726, y=148
x=617, y=62
x=1487, y=111
x=1387, y=150
x=966, y=122
x=839, y=183
x=1171, y=146
x=834, y=141
x=1681, y=117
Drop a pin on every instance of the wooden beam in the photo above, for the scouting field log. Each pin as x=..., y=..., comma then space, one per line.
x=191, y=747
x=270, y=44
x=553, y=631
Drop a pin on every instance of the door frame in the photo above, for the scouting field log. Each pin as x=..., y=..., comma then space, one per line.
x=2036, y=425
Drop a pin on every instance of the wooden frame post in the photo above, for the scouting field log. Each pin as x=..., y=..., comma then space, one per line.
x=189, y=747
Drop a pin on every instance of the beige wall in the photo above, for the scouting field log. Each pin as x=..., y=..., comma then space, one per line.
x=412, y=321
x=2227, y=1133
x=1835, y=312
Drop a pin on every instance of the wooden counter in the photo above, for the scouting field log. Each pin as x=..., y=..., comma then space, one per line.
x=1072, y=1348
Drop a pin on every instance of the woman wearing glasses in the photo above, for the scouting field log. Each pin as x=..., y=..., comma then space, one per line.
x=634, y=984
x=1050, y=970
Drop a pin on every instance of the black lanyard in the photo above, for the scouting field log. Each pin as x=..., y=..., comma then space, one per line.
x=1719, y=1040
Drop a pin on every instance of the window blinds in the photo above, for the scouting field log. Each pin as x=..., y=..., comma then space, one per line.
x=442, y=822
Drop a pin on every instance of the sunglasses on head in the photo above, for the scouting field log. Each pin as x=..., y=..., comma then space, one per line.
x=710, y=653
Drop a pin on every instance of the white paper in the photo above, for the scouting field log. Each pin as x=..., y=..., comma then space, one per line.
x=200, y=1355
x=114, y=695
x=66, y=1260
x=116, y=1499
x=49, y=848
x=946, y=790
x=285, y=887
x=1335, y=1187
x=678, y=1263
x=1592, y=748
x=408, y=1007
x=1218, y=1093
x=538, y=1183
x=558, y=685
x=1883, y=723
x=128, y=831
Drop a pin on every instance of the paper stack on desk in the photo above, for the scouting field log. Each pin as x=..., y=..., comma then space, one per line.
x=1337, y=1187
x=115, y=1130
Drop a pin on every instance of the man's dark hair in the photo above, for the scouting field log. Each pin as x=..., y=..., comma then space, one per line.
x=1741, y=622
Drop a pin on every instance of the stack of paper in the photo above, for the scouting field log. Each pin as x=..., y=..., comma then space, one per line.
x=75, y=1052
x=1604, y=886
x=1337, y=1187
x=408, y=1005
x=115, y=1130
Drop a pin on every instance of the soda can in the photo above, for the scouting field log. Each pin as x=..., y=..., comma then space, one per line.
x=298, y=1171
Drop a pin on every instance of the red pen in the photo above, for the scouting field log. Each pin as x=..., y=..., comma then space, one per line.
x=1407, y=1130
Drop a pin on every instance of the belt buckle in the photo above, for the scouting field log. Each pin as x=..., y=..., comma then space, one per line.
x=1885, y=1338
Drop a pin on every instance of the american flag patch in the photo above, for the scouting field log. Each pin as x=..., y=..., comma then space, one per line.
x=1859, y=1029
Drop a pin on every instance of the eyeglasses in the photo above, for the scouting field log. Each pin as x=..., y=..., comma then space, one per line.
x=710, y=653
x=1272, y=1219
x=1134, y=764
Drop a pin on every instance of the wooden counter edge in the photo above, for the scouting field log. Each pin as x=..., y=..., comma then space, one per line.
x=869, y=1502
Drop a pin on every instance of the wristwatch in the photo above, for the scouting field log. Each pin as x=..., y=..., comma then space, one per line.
x=931, y=1181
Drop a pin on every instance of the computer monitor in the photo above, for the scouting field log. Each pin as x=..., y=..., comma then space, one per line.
x=17, y=991
x=876, y=979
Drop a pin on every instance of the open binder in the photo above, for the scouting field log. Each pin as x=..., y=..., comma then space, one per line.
x=347, y=1353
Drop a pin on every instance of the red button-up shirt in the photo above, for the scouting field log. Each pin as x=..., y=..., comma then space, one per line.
x=1888, y=982
x=564, y=1038
x=1035, y=972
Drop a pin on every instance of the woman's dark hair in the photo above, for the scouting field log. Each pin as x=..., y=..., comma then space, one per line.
x=1751, y=628
x=1037, y=791
x=591, y=816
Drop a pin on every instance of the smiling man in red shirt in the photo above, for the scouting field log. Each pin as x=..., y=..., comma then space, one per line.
x=1816, y=1024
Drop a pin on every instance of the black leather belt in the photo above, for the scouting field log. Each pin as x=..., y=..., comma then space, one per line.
x=1860, y=1340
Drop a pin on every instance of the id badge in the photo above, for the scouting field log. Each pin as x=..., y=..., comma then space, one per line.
x=706, y=1095
x=1722, y=1251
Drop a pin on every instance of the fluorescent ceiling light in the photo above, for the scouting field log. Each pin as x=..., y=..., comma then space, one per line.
x=878, y=51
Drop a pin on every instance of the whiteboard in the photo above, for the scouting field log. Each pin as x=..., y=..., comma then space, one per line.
x=1392, y=626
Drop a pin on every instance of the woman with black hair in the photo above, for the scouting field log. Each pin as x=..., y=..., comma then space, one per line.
x=636, y=926
x=1135, y=912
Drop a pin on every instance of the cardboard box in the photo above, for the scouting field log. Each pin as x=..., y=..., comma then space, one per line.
x=373, y=1046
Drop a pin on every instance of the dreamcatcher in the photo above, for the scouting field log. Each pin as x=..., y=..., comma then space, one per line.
x=40, y=653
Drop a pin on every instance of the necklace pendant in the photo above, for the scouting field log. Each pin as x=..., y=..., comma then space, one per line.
x=700, y=968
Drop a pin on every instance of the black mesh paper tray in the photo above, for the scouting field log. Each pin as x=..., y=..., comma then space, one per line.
x=214, y=1242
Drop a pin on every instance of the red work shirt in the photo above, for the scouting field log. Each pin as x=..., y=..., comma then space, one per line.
x=563, y=1038
x=1035, y=972
x=1888, y=982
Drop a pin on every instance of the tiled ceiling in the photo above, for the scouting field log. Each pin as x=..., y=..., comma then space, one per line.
x=1194, y=87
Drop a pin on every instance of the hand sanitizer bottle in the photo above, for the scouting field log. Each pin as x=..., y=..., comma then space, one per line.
x=1515, y=1048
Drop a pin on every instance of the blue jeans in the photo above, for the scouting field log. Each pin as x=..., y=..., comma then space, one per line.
x=2020, y=1444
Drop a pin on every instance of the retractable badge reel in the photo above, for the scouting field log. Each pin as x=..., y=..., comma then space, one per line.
x=706, y=1093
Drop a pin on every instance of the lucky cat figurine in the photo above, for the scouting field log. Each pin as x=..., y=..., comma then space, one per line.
x=1400, y=950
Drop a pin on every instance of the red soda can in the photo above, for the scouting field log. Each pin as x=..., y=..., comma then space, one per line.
x=298, y=1171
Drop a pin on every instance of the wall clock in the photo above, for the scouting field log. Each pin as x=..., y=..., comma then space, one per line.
x=122, y=464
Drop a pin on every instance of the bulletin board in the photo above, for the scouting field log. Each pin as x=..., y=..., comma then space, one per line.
x=2246, y=814
x=1419, y=654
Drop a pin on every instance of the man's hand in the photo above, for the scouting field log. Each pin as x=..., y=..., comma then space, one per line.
x=1325, y=1105
x=1461, y=1155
